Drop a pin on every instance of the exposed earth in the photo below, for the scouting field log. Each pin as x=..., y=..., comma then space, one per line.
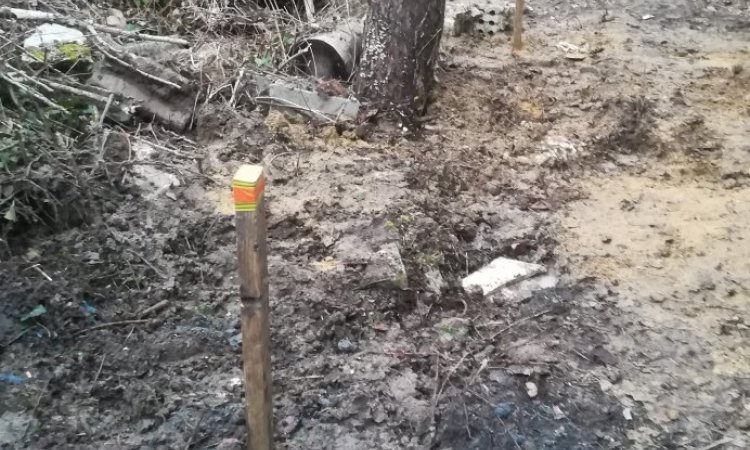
x=621, y=162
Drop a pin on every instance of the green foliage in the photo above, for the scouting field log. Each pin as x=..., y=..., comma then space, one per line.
x=264, y=61
x=8, y=153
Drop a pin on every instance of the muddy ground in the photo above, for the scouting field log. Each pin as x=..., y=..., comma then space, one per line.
x=623, y=168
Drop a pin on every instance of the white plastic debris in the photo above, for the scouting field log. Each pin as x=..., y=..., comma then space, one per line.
x=50, y=34
x=499, y=273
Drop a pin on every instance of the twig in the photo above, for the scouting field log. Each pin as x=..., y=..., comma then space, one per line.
x=153, y=308
x=36, y=407
x=106, y=110
x=79, y=92
x=111, y=324
x=518, y=322
x=106, y=49
x=33, y=93
x=713, y=445
x=195, y=429
x=145, y=261
x=236, y=86
x=466, y=416
x=38, y=269
x=18, y=336
x=99, y=371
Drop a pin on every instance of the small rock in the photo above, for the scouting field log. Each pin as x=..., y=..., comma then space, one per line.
x=116, y=19
x=557, y=413
x=647, y=17
x=532, y=390
x=288, y=424
x=345, y=345
x=627, y=413
x=602, y=356
x=744, y=424
x=229, y=444
x=235, y=341
x=605, y=385
x=387, y=268
x=673, y=414
x=433, y=280
x=452, y=328
x=504, y=410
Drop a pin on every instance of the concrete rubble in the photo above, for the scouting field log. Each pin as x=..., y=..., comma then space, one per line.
x=303, y=98
x=499, y=273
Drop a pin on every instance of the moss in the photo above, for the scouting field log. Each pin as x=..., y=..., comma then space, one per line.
x=74, y=52
x=38, y=54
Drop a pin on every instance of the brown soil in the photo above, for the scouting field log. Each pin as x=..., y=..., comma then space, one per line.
x=625, y=173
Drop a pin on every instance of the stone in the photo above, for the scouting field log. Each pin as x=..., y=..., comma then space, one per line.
x=504, y=410
x=499, y=273
x=532, y=390
x=345, y=346
x=433, y=280
x=116, y=19
x=386, y=268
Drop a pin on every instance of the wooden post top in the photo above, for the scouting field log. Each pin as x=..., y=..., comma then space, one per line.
x=247, y=187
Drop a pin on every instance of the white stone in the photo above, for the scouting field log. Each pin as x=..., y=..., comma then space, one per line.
x=499, y=273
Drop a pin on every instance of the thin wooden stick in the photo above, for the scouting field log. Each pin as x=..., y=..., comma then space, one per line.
x=111, y=324
x=518, y=26
x=248, y=185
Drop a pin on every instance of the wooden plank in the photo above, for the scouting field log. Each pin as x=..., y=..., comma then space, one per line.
x=248, y=188
x=518, y=25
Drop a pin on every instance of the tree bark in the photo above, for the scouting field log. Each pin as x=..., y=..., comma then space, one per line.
x=401, y=43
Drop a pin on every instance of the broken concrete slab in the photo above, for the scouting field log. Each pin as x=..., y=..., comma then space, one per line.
x=314, y=104
x=173, y=109
x=499, y=273
x=525, y=289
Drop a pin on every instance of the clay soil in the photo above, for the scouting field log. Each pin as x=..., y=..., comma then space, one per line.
x=622, y=167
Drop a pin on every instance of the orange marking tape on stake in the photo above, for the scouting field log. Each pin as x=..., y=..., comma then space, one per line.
x=247, y=188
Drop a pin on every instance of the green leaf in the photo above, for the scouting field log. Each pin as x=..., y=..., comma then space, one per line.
x=10, y=215
x=36, y=312
x=263, y=61
x=131, y=27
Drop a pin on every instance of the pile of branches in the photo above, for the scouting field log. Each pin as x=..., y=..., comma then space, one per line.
x=59, y=157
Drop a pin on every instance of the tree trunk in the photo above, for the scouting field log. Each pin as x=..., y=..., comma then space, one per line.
x=401, y=43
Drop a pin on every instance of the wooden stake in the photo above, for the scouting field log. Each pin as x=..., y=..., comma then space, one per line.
x=518, y=26
x=247, y=187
